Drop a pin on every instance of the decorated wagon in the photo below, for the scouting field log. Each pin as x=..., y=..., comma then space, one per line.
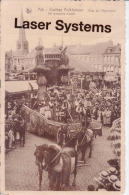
x=36, y=123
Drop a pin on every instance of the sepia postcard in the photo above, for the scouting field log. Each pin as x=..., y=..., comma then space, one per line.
x=62, y=97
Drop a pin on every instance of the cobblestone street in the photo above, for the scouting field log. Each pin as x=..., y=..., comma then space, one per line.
x=21, y=171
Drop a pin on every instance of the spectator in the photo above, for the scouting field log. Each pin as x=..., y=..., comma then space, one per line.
x=11, y=137
x=22, y=131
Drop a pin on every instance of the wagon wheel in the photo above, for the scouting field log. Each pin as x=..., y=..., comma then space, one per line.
x=58, y=136
x=34, y=128
x=39, y=131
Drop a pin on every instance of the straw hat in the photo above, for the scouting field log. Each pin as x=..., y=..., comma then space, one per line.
x=117, y=152
x=100, y=179
x=112, y=170
x=112, y=178
x=88, y=96
x=104, y=174
x=117, y=185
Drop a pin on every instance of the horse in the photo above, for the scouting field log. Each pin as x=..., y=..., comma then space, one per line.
x=58, y=162
x=81, y=140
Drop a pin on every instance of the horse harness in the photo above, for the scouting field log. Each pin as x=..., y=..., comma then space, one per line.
x=63, y=148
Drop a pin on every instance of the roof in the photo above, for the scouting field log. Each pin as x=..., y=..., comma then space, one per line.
x=79, y=65
x=73, y=63
x=52, y=50
x=96, y=49
x=8, y=54
x=22, y=35
x=20, y=86
x=114, y=49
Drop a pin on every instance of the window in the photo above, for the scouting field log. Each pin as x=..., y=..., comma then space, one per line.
x=109, y=59
x=108, y=68
x=25, y=45
x=116, y=59
x=119, y=70
x=6, y=61
x=116, y=69
x=120, y=59
x=104, y=69
x=112, y=59
x=19, y=46
x=96, y=66
x=96, y=59
x=112, y=69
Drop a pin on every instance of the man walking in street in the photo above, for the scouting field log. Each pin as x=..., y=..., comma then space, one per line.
x=22, y=131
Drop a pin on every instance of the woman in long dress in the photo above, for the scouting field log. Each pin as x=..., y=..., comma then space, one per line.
x=108, y=116
x=99, y=115
x=11, y=138
x=104, y=117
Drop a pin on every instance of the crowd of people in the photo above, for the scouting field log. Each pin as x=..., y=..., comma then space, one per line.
x=108, y=180
x=60, y=105
x=63, y=105
x=14, y=127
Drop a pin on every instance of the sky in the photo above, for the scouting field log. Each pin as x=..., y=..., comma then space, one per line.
x=52, y=36
x=49, y=41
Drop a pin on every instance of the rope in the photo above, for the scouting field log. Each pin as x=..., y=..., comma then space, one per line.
x=83, y=139
x=63, y=147
x=70, y=115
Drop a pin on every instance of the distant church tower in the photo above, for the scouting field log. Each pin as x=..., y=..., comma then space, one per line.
x=22, y=44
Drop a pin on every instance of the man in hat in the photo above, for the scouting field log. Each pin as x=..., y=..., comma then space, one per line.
x=22, y=131
x=15, y=128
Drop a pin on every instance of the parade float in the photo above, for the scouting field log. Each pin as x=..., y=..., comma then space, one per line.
x=52, y=69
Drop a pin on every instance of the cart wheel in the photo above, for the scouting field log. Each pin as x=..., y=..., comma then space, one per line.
x=58, y=136
x=34, y=129
x=39, y=131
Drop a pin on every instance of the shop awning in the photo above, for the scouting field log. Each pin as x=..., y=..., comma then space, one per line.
x=20, y=86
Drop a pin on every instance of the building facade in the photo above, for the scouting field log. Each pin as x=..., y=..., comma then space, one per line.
x=104, y=57
x=112, y=58
x=23, y=60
